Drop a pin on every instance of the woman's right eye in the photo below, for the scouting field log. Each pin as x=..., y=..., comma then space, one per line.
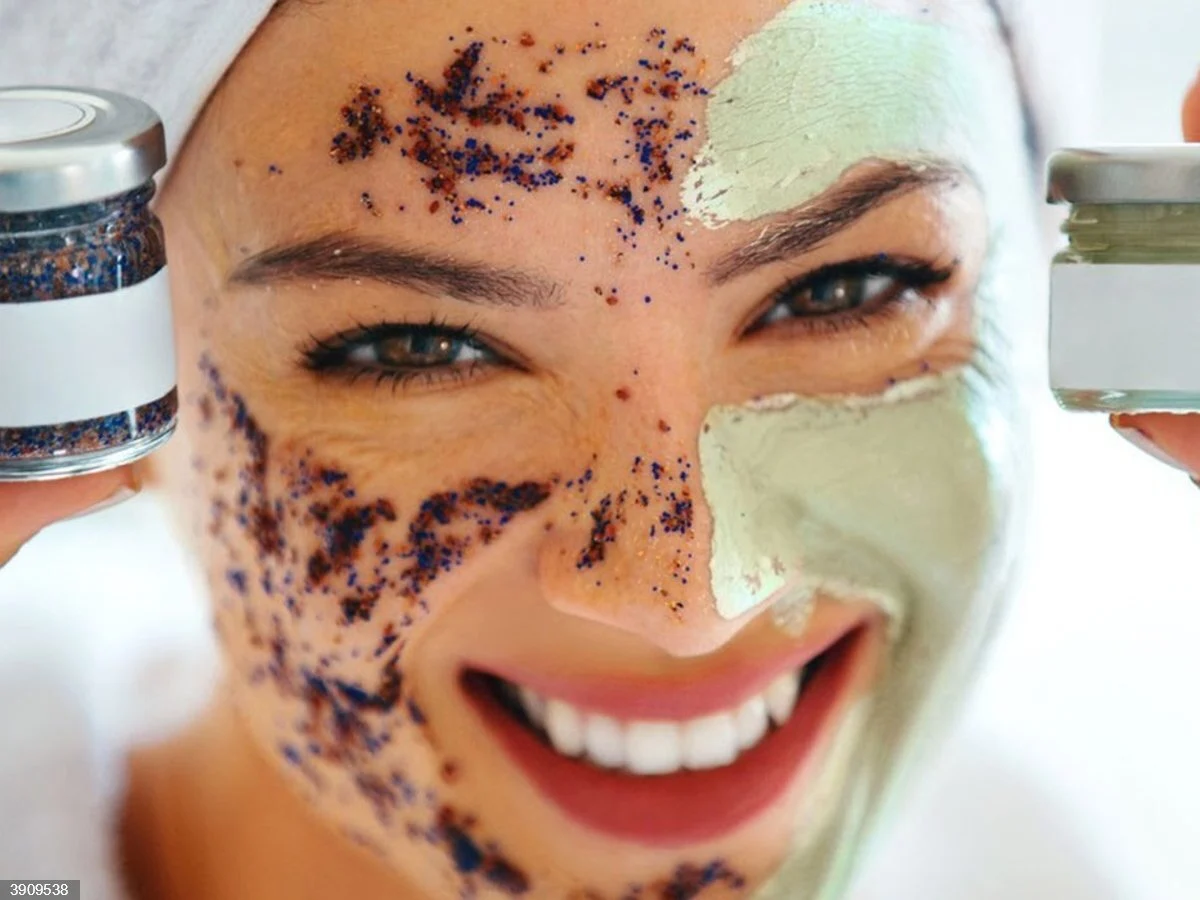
x=416, y=351
x=401, y=352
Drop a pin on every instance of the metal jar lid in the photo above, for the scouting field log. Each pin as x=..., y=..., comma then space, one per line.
x=1168, y=173
x=65, y=146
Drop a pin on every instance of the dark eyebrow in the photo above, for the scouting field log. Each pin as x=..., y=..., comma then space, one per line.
x=835, y=210
x=339, y=257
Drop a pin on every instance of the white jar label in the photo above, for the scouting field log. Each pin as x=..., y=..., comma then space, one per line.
x=1125, y=327
x=86, y=357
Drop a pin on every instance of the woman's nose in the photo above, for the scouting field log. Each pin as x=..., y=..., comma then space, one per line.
x=631, y=543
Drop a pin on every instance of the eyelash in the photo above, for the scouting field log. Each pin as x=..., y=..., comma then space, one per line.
x=331, y=356
x=911, y=278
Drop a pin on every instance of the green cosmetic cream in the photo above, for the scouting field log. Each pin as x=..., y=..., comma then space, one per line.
x=885, y=497
x=826, y=85
x=1123, y=317
x=906, y=498
x=900, y=498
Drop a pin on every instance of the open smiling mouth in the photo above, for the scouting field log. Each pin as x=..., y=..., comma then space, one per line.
x=673, y=779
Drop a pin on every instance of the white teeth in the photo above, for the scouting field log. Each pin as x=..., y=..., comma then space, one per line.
x=710, y=742
x=751, y=722
x=605, y=741
x=564, y=725
x=652, y=748
x=781, y=697
x=534, y=705
x=663, y=747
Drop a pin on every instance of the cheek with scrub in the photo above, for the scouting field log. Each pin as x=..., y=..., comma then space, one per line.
x=321, y=586
x=324, y=586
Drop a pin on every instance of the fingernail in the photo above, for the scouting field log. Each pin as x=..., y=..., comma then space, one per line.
x=119, y=496
x=1146, y=444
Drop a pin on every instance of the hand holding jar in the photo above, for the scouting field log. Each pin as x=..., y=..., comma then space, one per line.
x=87, y=366
x=1168, y=436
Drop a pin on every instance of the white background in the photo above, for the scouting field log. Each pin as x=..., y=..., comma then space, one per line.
x=1074, y=773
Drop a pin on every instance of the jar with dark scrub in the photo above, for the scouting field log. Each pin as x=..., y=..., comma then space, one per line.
x=87, y=361
x=1125, y=293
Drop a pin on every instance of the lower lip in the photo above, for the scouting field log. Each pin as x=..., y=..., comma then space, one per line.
x=686, y=807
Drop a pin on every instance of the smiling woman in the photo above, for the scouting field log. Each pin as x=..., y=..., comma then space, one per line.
x=599, y=433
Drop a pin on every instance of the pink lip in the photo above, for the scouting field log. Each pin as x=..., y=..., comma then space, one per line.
x=686, y=807
x=626, y=697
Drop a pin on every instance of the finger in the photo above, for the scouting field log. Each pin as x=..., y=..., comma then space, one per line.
x=28, y=507
x=1171, y=439
x=1191, y=113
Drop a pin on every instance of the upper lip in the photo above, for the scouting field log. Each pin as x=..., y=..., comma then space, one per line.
x=702, y=691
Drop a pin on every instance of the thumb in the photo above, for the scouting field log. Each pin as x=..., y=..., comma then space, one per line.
x=1191, y=113
x=28, y=507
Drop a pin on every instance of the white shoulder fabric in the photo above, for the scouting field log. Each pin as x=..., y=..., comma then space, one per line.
x=169, y=53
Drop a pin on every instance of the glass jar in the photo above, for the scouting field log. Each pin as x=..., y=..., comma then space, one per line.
x=1124, y=312
x=87, y=366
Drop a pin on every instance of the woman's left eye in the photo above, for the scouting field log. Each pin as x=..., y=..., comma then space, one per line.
x=856, y=290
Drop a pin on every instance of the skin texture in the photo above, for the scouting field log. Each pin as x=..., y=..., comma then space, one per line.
x=340, y=757
x=209, y=815
x=764, y=157
x=222, y=811
x=1173, y=439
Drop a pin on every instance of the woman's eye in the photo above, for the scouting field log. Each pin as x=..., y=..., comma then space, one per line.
x=829, y=296
x=401, y=353
x=855, y=291
x=416, y=350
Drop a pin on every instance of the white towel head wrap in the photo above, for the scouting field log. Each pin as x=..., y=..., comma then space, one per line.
x=169, y=53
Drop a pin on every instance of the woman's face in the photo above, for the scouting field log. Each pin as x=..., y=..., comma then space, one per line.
x=567, y=385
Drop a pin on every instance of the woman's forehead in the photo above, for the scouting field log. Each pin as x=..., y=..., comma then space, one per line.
x=311, y=50
x=345, y=115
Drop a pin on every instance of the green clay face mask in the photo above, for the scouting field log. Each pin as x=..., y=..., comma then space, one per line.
x=909, y=498
x=825, y=85
x=886, y=497
x=901, y=499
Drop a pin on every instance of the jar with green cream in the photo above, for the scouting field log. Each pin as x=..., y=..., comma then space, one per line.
x=1125, y=293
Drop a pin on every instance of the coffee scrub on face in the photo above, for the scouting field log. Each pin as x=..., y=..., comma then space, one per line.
x=87, y=364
